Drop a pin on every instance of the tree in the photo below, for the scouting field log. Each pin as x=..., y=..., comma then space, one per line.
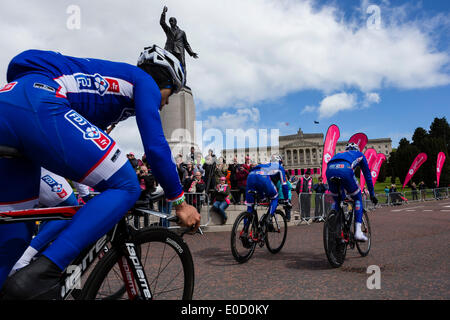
x=383, y=172
x=437, y=139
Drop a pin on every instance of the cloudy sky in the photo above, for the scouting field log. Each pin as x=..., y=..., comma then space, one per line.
x=377, y=66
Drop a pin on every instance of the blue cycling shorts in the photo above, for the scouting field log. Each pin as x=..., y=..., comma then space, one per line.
x=263, y=185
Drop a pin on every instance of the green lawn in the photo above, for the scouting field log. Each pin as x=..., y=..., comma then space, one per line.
x=379, y=186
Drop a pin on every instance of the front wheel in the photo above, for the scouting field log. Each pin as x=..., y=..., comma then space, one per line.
x=364, y=247
x=244, y=236
x=333, y=242
x=276, y=231
x=165, y=259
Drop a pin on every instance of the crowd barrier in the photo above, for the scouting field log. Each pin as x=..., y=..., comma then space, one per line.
x=310, y=206
x=315, y=206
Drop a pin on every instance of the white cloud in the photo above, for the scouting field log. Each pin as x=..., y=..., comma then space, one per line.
x=308, y=109
x=370, y=98
x=331, y=105
x=250, y=50
x=240, y=118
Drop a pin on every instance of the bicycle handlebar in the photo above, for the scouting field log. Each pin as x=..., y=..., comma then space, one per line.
x=174, y=219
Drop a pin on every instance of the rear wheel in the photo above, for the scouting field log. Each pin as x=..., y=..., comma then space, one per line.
x=244, y=236
x=276, y=231
x=166, y=261
x=333, y=242
x=364, y=247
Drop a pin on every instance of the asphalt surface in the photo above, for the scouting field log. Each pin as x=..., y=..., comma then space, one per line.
x=410, y=246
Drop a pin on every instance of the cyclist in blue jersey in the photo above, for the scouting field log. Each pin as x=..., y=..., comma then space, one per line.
x=263, y=178
x=342, y=166
x=54, y=110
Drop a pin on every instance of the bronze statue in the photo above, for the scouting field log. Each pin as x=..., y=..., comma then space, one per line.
x=176, y=41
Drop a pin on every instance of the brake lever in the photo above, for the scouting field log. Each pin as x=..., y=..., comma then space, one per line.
x=176, y=220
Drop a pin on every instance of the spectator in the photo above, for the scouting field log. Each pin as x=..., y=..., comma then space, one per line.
x=222, y=198
x=209, y=168
x=146, y=181
x=196, y=186
x=191, y=156
x=199, y=168
x=241, y=177
x=386, y=192
x=319, y=188
x=247, y=163
x=221, y=171
x=437, y=195
x=199, y=160
x=414, y=191
x=133, y=160
x=190, y=176
x=304, y=191
x=423, y=191
x=281, y=197
x=233, y=181
x=182, y=173
x=394, y=195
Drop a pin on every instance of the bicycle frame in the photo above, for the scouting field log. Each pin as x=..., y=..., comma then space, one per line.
x=119, y=236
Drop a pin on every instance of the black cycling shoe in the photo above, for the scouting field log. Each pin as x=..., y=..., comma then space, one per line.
x=40, y=280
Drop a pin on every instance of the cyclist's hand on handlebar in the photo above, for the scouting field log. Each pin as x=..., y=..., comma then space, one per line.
x=189, y=217
x=374, y=200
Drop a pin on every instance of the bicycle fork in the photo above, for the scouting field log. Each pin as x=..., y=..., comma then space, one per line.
x=131, y=269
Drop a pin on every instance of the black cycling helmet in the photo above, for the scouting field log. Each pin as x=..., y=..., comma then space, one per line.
x=164, y=68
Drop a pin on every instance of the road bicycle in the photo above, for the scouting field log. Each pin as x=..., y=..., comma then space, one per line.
x=339, y=230
x=248, y=231
x=125, y=263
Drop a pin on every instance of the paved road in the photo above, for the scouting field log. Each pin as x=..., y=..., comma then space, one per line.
x=411, y=246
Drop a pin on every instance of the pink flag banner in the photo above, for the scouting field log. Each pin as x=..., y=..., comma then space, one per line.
x=418, y=161
x=371, y=156
x=329, y=148
x=439, y=165
x=375, y=170
x=360, y=139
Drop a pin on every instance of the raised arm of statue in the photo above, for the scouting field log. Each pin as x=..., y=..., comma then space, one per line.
x=162, y=21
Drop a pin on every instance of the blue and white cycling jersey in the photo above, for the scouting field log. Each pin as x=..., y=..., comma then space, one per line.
x=54, y=111
x=275, y=171
x=105, y=92
x=354, y=159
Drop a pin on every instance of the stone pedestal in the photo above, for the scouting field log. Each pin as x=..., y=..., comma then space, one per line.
x=178, y=121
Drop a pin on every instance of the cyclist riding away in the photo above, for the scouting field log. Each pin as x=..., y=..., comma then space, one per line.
x=263, y=178
x=54, y=110
x=342, y=166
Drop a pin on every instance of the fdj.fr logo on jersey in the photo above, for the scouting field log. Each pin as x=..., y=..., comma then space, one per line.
x=90, y=132
x=55, y=186
x=92, y=83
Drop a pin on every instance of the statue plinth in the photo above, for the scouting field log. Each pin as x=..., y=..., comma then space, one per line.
x=178, y=121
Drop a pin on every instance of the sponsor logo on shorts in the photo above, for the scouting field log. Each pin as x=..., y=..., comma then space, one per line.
x=90, y=132
x=8, y=87
x=55, y=186
x=42, y=86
